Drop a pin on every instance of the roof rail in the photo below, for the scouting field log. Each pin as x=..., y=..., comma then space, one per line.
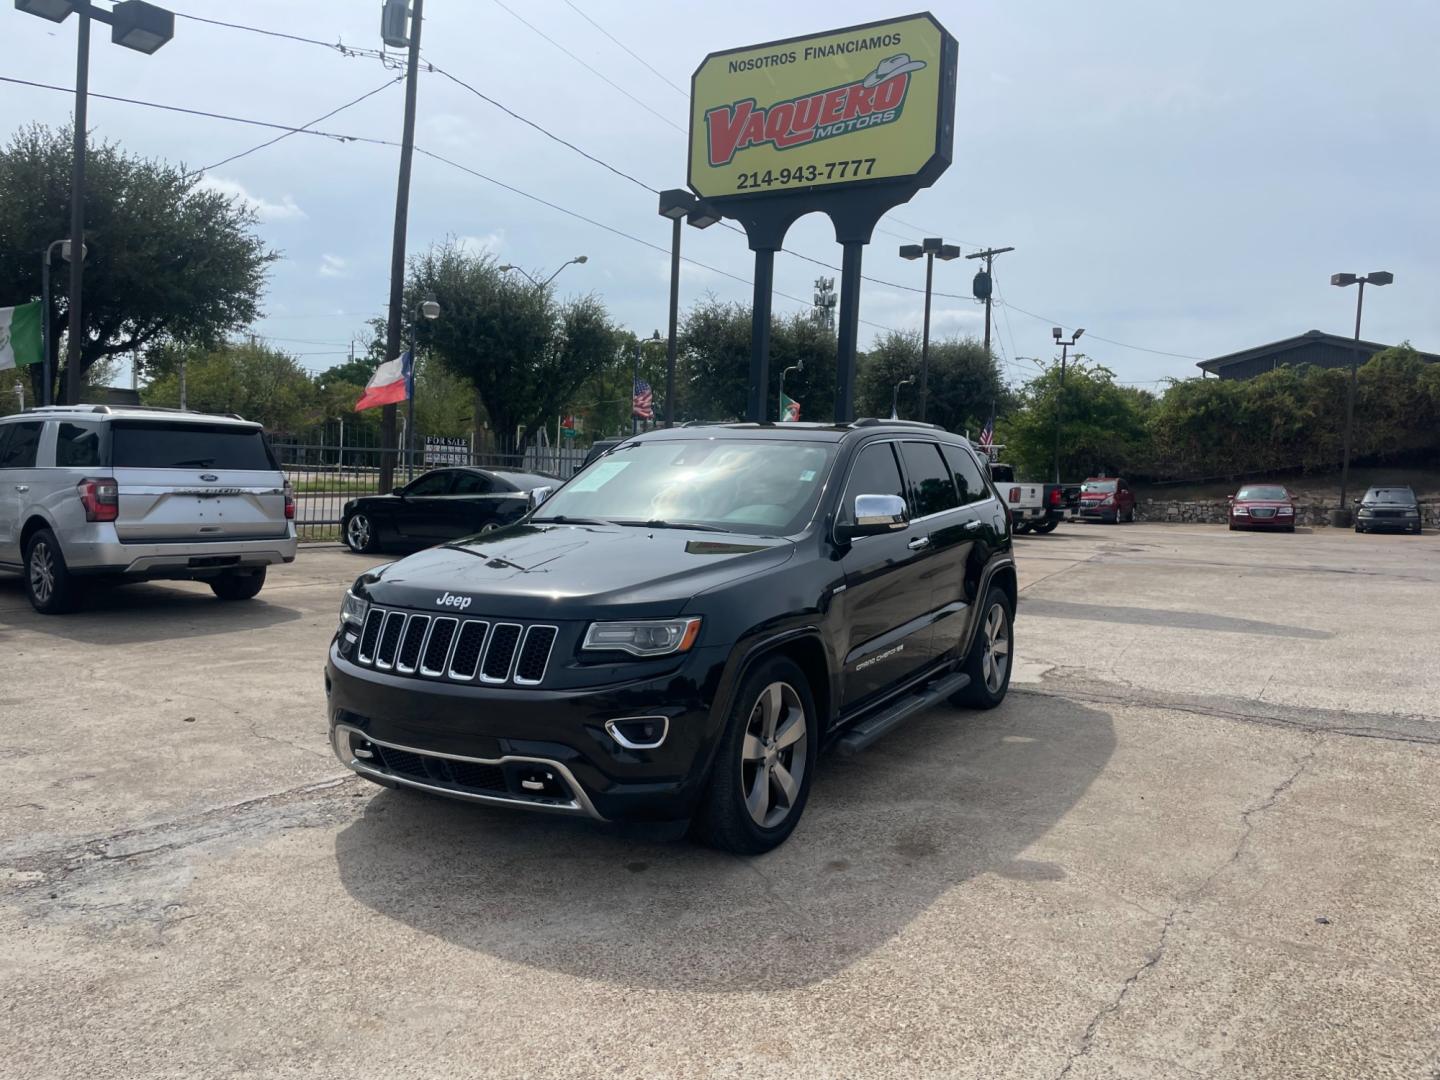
x=109, y=409
x=877, y=421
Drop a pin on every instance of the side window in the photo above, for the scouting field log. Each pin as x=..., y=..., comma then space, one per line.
x=434, y=483
x=77, y=446
x=967, y=474
x=874, y=473
x=469, y=483
x=21, y=446
x=931, y=489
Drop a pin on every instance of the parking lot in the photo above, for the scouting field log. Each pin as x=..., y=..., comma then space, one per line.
x=1199, y=838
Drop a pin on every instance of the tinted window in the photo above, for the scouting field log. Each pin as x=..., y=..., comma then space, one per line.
x=19, y=448
x=77, y=446
x=874, y=473
x=435, y=483
x=154, y=444
x=1391, y=495
x=471, y=483
x=519, y=481
x=967, y=474
x=1101, y=486
x=931, y=489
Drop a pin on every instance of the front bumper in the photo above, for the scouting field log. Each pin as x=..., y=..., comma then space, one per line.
x=1387, y=524
x=496, y=745
x=1098, y=513
x=1250, y=522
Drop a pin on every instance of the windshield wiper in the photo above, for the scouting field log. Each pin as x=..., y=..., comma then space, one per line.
x=562, y=519
x=659, y=523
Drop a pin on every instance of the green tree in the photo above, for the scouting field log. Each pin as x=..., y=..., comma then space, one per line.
x=1102, y=425
x=168, y=260
x=964, y=383
x=524, y=354
x=256, y=381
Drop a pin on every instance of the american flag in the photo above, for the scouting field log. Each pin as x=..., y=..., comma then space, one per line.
x=987, y=435
x=642, y=406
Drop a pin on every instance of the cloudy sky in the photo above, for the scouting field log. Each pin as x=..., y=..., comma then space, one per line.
x=1176, y=178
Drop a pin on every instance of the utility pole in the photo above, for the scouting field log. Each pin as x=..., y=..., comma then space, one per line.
x=984, y=286
x=394, y=324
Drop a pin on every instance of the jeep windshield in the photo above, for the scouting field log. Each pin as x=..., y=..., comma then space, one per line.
x=763, y=487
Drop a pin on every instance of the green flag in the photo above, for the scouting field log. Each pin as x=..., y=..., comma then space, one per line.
x=20, y=336
x=789, y=408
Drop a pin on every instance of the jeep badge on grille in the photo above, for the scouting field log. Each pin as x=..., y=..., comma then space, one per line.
x=459, y=603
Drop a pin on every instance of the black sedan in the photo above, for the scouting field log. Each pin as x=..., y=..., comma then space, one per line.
x=442, y=505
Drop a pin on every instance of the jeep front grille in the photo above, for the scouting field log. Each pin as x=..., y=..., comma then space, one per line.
x=457, y=650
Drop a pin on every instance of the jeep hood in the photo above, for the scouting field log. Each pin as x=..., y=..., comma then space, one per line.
x=572, y=571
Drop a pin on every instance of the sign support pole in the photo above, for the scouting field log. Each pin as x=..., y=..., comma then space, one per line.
x=760, y=335
x=849, y=330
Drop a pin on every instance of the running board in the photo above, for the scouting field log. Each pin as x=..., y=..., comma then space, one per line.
x=867, y=731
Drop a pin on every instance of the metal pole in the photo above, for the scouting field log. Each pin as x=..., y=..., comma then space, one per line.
x=989, y=262
x=925, y=335
x=46, y=334
x=1059, y=401
x=847, y=331
x=393, y=329
x=73, y=374
x=634, y=378
x=410, y=408
x=760, y=335
x=1350, y=396
x=674, y=323
x=183, y=402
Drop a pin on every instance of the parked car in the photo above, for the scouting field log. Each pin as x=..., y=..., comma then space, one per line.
x=1389, y=509
x=599, y=447
x=125, y=493
x=1262, y=506
x=1107, y=498
x=440, y=505
x=676, y=631
x=1040, y=507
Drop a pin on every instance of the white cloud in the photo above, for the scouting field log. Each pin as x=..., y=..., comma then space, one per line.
x=334, y=266
x=285, y=210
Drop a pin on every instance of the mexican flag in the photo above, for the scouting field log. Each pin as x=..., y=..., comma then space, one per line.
x=789, y=409
x=20, y=336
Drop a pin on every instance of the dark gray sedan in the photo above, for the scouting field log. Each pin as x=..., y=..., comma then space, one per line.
x=1388, y=509
x=442, y=505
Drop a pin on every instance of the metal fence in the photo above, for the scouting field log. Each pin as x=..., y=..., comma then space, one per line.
x=327, y=476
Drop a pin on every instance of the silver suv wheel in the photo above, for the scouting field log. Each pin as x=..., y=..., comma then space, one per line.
x=773, y=755
x=42, y=571
x=996, y=656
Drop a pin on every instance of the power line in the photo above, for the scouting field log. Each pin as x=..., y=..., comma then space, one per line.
x=1108, y=341
x=305, y=127
x=598, y=74
x=627, y=48
x=337, y=46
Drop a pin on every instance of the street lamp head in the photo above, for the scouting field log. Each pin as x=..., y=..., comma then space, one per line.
x=54, y=10
x=141, y=26
x=1056, y=333
x=581, y=259
x=65, y=250
x=931, y=245
x=948, y=252
x=703, y=215
x=911, y=251
x=430, y=309
x=1380, y=277
x=505, y=268
x=1076, y=335
x=675, y=203
x=1343, y=279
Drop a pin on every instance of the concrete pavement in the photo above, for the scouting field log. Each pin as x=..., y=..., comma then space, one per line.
x=1198, y=839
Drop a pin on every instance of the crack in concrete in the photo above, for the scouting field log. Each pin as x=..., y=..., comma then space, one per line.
x=1183, y=907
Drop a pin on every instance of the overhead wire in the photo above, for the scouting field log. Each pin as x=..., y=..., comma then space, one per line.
x=632, y=52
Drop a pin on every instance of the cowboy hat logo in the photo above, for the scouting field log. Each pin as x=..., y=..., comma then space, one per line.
x=899, y=64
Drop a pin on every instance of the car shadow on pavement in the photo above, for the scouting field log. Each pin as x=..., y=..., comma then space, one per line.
x=950, y=796
x=1185, y=620
x=139, y=613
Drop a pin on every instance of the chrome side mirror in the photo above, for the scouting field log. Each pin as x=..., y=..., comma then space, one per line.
x=539, y=495
x=874, y=515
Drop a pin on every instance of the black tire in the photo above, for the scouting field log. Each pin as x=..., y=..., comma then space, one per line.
x=1234, y=527
x=1358, y=529
x=1022, y=528
x=985, y=692
x=358, y=532
x=239, y=585
x=741, y=809
x=1046, y=526
x=1130, y=516
x=48, y=581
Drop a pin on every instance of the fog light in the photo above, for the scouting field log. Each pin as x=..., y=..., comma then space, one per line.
x=639, y=732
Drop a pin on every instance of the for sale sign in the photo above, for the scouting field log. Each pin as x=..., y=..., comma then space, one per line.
x=445, y=451
x=865, y=104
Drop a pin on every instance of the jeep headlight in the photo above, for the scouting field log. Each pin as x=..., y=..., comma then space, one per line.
x=651, y=637
x=353, y=610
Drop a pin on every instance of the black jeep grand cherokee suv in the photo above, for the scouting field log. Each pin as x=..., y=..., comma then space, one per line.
x=678, y=630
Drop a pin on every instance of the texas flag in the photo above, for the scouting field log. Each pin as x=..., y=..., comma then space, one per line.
x=392, y=382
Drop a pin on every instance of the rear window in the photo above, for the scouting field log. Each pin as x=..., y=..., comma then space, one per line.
x=159, y=445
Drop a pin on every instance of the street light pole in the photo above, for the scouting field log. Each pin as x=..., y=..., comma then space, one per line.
x=1058, y=334
x=678, y=205
x=895, y=396
x=1377, y=277
x=931, y=248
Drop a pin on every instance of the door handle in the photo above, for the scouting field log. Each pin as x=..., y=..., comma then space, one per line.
x=920, y=543
x=971, y=526
x=22, y=487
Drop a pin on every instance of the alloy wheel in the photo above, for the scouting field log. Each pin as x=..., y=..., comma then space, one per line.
x=996, y=657
x=42, y=572
x=773, y=755
x=357, y=532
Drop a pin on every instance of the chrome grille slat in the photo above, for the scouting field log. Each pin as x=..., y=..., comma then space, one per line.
x=500, y=652
x=421, y=644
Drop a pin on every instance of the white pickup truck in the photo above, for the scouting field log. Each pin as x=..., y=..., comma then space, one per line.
x=1034, y=507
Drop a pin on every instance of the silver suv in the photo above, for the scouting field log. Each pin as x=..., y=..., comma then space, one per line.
x=132, y=493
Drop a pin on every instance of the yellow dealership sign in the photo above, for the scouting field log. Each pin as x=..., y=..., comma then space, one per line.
x=858, y=106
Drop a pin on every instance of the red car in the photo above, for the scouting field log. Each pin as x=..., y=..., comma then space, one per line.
x=1106, y=498
x=1262, y=506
